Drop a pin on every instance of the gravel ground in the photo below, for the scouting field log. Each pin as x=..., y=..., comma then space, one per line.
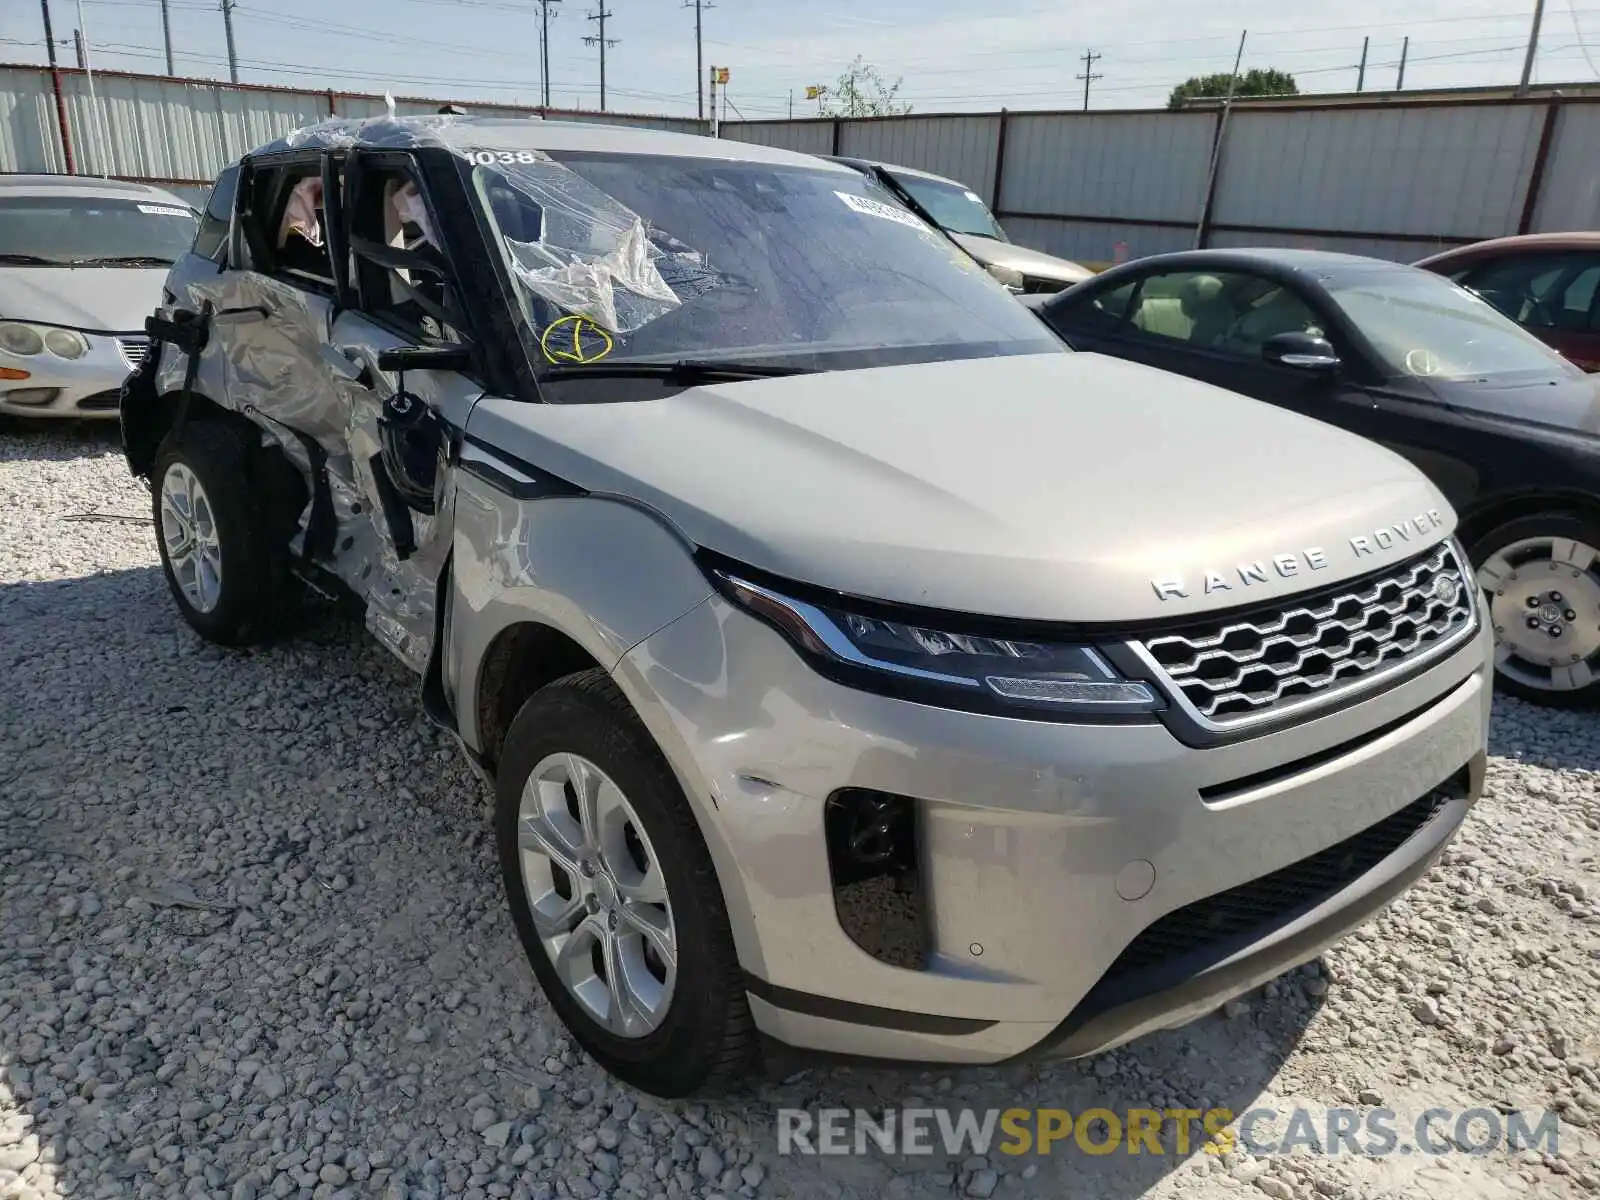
x=252, y=943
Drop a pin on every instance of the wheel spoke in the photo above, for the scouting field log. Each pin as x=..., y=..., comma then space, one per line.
x=1575, y=554
x=629, y=1015
x=586, y=785
x=535, y=835
x=655, y=927
x=1494, y=572
x=649, y=888
x=1571, y=677
x=572, y=959
x=554, y=915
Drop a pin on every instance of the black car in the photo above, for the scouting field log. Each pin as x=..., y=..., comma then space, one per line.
x=1507, y=429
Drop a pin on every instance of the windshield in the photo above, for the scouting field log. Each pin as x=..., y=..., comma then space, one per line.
x=85, y=229
x=1424, y=326
x=629, y=258
x=954, y=207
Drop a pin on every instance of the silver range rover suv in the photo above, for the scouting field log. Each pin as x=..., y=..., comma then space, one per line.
x=858, y=670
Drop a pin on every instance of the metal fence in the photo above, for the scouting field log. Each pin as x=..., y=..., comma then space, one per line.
x=1397, y=175
x=1392, y=177
x=181, y=132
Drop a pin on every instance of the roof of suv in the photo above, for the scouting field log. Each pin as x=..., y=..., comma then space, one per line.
x=464, y=135
x=88, y=186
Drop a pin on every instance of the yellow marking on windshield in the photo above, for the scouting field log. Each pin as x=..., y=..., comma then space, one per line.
x=556, y=351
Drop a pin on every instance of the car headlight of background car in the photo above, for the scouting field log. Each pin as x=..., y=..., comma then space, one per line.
x=996, y=673
x=26, y=341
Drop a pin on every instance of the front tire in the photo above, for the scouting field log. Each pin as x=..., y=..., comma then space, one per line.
x=1540, y=577
x=224, y=512
x=614, y=895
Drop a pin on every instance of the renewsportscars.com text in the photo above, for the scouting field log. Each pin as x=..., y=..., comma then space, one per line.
x=1368, y=1133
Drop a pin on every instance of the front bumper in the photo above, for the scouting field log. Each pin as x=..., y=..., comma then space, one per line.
x=1045, y=850
x=81, y=388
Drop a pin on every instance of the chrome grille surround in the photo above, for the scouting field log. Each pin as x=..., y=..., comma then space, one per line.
x=134, y=348
x=1250, y=667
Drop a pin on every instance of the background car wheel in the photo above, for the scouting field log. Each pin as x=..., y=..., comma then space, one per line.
x=614, y=894
x=1541, y=578
x=224, y=513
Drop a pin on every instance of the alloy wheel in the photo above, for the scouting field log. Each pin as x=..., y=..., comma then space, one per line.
x=597, y=894
x=189, y=531
x=1544, y=597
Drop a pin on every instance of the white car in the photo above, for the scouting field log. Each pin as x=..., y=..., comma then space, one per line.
x=82, y=261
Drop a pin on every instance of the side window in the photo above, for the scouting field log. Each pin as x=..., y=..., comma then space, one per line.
x=418, y=299
x=211, y=239
x=1213, y=310
x=1524, y=289
x=1577, y=310
x=286, y=213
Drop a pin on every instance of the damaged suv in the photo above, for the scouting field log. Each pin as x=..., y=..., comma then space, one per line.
x=858, y=669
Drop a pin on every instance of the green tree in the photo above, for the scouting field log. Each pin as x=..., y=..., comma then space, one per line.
x=862, y=91
x=1254, y=82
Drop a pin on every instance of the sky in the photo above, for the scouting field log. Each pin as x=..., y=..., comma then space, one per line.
x=952, y=55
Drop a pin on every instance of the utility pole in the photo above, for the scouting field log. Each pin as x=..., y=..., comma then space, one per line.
x=791, y=104
x=1400, y=81
x=544, y=50
x=699, y=55
x=602, y=41
x=1361, y=71
x=49, y=34
x=1216, y=145
x=1533, y=48
x=1088, y=76
x=77, y=48
x=166, y=34
x=227, y=27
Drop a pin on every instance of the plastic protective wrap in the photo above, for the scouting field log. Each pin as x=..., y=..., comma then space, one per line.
x=570, y=243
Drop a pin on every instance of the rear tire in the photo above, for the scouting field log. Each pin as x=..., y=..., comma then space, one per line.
x=678, y=1023
x=225, y=509
x=1540, y=577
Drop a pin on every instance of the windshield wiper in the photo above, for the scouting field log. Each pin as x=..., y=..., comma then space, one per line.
x=686, y=371
x=124, y=260
x=30, y=260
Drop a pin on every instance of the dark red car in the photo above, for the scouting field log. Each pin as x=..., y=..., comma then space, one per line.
x=1549, y=283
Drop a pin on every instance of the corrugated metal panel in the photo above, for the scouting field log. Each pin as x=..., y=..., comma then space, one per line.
x=30, y=138
x=1438, y=170
x=1094, y=243
x=171, y=129
x=959, y=148
x=1569, y=195
x=806, y=137
x=1147, y=166
x=1395, y=249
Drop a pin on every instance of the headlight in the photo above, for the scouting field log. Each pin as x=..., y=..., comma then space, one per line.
x=1009, y=276
x=961, y=670
x=66, y=343
x=20, y=339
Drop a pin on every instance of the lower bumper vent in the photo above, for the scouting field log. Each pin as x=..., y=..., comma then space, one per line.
x=1261, y=904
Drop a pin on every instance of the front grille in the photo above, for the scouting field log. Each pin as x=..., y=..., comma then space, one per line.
x=134, y=350
x=1253, y=909
x=1247, y=666
x=100, y=402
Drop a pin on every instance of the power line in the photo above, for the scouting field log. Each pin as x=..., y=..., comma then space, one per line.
x=699, y=7
x=1089, y=76
x=600, y=39
x=1578, y=31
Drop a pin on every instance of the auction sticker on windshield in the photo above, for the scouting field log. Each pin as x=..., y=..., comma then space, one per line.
x=163, y=210
x=876, y=208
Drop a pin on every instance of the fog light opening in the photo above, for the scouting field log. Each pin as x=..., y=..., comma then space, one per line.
x=878, y=891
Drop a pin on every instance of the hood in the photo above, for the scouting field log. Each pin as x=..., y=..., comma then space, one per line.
x=1032, y=263
x=1559, y=402
x=1064, y=487
x=95, y=299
